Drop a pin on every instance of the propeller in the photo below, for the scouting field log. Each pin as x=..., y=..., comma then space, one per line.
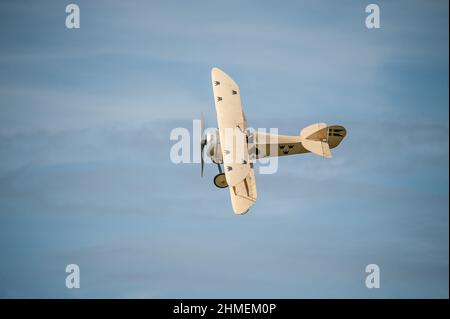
x=202, y=141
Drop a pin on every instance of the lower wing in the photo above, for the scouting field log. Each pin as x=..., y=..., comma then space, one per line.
x=243, y=195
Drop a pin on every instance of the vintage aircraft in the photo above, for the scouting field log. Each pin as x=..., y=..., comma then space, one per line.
x=236, y=147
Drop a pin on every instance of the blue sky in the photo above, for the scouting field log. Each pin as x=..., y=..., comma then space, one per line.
x=85, y=174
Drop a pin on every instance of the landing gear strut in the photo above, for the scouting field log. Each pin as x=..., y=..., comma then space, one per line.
x=220, y=180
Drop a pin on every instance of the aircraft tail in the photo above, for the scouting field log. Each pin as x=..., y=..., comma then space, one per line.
x=319, y=138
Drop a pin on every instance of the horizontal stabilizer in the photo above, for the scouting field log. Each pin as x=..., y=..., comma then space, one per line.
x=317, y=147
x=314, y=139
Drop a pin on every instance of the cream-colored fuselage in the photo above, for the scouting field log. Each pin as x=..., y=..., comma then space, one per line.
x=261, y=145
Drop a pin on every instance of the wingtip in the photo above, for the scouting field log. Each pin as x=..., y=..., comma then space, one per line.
x=215, y=69
x=242, y=213
x=217, y=73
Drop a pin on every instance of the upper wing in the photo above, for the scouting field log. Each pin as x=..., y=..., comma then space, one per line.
x=231, y=122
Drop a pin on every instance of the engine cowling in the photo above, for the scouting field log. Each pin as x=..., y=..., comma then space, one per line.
x=212, y=148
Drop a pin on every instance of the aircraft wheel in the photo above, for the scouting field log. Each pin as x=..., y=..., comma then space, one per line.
x=220, y=181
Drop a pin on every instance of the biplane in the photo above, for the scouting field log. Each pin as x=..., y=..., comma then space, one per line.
x=236, y=147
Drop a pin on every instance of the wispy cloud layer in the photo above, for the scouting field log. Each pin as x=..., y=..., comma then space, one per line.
x=85, y=175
